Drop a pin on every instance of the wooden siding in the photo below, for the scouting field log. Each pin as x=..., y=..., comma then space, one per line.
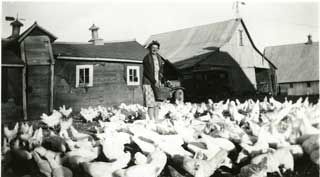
x=11, y=92
x=299, y=88
x=37, y=50
x=109, y=85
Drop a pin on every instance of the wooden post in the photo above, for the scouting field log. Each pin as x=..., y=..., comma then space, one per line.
x=51, y=76
x=24, y=82
x=51, y=87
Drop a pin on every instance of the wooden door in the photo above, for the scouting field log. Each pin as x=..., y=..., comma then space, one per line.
x=38, y=90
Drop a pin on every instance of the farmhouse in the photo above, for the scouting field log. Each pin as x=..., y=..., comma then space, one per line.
x=298, y=67
x=217, y=59
x=39, y=75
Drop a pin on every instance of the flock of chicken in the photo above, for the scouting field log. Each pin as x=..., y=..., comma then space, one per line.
x=249, y=139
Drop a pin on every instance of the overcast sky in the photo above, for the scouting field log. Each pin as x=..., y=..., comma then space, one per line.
x=271, y=23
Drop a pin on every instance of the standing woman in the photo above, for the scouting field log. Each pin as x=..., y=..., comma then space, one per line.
x=153, y=73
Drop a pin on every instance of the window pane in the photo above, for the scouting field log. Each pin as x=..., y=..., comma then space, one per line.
x=130, y=78
x=135, y=73
x=130, y=72
x=135, y=79
x=81, y=76
x=308, y=84
x=86, y=76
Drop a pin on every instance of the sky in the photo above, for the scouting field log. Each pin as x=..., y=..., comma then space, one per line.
x=269, y=23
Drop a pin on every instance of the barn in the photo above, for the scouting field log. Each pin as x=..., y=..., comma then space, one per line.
x=302, y=77
x=39, y=75
x=97, y=72
x=217, y=60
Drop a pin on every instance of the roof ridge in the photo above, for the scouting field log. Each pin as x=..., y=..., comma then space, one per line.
x=290, y=44
x=105, y=42
x=28, y=30
x=121, y=40
x=194, y=26
x=66, y=42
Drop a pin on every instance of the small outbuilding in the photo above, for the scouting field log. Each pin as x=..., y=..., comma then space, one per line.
x=27, y=72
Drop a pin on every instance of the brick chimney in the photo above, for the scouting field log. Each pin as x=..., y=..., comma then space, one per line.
x=95, y=37
x=16, y=25
x=309, y=39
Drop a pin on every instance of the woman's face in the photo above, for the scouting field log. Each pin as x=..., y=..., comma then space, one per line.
x=154, y=49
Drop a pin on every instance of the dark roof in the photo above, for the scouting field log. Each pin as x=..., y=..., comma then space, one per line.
x=131, y=50
x=182, y=45
x=35, y=28
x=9, y=52
x=295, y=62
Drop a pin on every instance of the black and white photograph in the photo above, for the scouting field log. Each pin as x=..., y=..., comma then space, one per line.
x=160, y=88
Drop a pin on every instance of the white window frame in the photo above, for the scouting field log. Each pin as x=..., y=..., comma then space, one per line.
x=137, y=68
x=78, y=67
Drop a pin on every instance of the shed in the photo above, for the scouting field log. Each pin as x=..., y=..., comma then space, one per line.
x=27, y=74
x=217, y=59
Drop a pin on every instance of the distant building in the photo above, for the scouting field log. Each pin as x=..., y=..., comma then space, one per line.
x=39, y=75
x=298, y=67
x=217, y=59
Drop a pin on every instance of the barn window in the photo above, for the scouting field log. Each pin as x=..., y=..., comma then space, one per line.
x=84, y=75
x=308, y=84
x=133, y=75
x=291, y=85
x=240, y=38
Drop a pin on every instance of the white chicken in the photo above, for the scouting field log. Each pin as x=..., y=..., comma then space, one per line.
x=26, y=135
x=105, y=169
x=11, y=134
x=89, y=114
x=51, y=120
x=155, y=164
x=65, y=112
x=213, y=145
x=280, y=157
x=202, y=168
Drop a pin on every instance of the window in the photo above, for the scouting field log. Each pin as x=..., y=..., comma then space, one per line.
x=240, y=38
x=308, y=84
x=291, y=85
x=84, y=76
x=133, y=75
